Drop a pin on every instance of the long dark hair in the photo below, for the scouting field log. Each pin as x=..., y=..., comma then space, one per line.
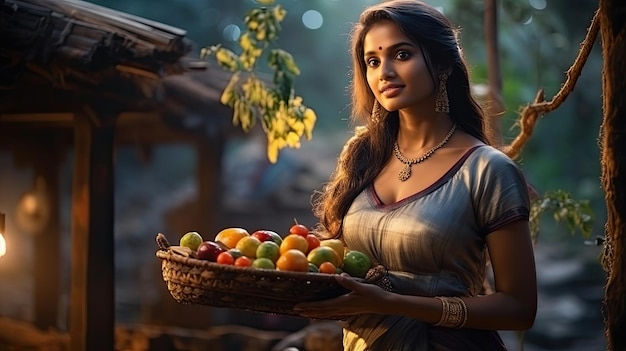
x=366, y=153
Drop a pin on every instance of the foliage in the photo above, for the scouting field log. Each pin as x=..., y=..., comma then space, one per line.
x=577, y=215
x=282, y=115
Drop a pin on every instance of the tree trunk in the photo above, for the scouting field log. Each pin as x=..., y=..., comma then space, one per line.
x=613, y=161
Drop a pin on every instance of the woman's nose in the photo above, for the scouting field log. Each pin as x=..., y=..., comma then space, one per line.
x=386, y=71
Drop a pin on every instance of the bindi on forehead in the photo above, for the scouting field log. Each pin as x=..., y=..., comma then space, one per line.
x=380, y=48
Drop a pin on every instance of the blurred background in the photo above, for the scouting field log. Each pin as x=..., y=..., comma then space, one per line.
x=539, y=40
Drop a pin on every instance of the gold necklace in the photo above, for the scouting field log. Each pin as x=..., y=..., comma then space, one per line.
x=405, y=173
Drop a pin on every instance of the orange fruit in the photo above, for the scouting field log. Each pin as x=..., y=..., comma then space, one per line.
x=294, y=242
x=231, y=236
x=248, y=245
x=328, y=268
x=336, y=245
x=322, y=254
x=293, y=260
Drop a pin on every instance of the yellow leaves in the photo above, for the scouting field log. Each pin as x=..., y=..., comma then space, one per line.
x=281, y=59
x=283, y=116
x=228, y=95
x=309, y=122
x=279, y=13
x=227, y=59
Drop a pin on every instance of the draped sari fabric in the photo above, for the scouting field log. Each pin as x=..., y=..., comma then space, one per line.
x=433, y=244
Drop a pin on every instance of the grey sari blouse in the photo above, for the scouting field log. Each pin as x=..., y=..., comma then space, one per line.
x=433, y=244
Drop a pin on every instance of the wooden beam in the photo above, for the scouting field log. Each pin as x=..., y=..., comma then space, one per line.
x=51, y=117
x=92, y=301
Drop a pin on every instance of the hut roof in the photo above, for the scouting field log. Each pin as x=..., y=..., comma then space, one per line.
x=55, y=54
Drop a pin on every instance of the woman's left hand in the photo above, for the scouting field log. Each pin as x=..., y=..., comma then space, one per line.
x=362, y=298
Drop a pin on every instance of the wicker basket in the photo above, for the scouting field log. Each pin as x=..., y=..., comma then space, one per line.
x=194, y=281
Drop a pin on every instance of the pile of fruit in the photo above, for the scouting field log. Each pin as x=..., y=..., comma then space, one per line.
x=297, y=251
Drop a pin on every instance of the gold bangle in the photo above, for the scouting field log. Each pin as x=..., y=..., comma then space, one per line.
x=453, y=312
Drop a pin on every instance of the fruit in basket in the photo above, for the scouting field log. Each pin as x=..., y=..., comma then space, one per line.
x=356, y=263
x=322, y=254
x=299, y=229
x=328, y=268
x=248, y=245
x=191, y=240
x=235, y=253
x=209, y=251
x=225, y=258
x=265, y=235
x=294, y=242
x=292, y=260
x=269, y=250
x=231, y=236
x=313, y=241
x=243, y=261
x=263, y=263
x=313, y=268
x=276, y=238
x=336, y=245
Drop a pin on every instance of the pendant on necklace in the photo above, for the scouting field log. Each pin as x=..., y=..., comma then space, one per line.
x=405, y=173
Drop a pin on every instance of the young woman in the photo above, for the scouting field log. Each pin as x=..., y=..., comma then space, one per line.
x=419, y=189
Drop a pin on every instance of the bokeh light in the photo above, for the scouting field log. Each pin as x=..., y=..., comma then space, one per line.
x=529, y=20
x=312, y=19
x=538, y=4
x=231, y=32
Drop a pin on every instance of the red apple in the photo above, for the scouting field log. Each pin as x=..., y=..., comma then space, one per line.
x=264, y=235
x=209, y=251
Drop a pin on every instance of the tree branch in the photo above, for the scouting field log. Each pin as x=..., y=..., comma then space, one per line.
x=531, y=112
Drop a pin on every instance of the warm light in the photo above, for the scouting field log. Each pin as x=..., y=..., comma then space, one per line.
x=3, y=246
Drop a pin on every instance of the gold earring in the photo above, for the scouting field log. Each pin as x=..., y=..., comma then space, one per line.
x=376, y=115
x=442, y=104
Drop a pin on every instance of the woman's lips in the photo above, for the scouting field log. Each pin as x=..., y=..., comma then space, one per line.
x=390, y=91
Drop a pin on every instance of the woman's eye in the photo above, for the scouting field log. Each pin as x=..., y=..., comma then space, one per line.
x=372, y=62
x=402, y=55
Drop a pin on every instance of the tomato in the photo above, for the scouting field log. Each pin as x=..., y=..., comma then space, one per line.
x=243, y=261
x=328, y=268
x=299, y=229
x=313, y=241
x=225, y=258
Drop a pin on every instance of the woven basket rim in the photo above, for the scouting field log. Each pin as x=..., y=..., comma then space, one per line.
x=270, y=273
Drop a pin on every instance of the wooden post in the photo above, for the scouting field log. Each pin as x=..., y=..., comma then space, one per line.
x=209, y=165
x=92, y=300
x=46, y=160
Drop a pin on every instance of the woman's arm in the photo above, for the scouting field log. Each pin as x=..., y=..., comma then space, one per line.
x=512, y=307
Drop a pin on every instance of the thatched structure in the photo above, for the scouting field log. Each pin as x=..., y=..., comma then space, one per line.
x=81, y=77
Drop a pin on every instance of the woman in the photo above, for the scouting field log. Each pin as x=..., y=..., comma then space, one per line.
x=419, y=189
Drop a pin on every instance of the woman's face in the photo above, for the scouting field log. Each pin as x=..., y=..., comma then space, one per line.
x=396, y=70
